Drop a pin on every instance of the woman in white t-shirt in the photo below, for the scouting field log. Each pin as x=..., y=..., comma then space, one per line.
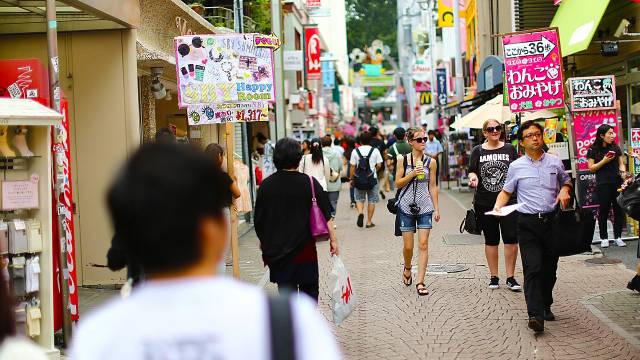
x=316, y=164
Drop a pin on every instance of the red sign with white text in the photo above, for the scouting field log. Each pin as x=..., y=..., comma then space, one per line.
x=314, y=3
x=312, y=53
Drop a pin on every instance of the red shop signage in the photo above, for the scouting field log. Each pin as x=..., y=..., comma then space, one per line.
x=312, y=53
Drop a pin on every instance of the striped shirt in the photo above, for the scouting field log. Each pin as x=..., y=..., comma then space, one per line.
x=420, y=188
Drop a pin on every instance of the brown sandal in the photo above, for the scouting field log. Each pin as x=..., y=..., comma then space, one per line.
x=407, y=278
x=423, y=290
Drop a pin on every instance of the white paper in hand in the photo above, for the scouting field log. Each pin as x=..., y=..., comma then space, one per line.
x=505, y=210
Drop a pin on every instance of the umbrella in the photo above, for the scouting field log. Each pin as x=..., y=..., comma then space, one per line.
x=493, y=109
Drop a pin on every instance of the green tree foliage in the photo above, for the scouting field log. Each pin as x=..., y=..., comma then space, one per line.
x=368, y=20
x=261, y=14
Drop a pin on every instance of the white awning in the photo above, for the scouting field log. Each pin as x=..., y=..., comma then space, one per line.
x=27, y=112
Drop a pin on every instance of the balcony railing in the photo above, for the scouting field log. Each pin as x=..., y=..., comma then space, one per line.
x=223, y=17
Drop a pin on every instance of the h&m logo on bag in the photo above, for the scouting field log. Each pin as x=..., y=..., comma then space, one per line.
x=347, y=292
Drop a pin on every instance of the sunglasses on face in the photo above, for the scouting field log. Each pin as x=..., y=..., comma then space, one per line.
x=491, y=129
x=419, y=140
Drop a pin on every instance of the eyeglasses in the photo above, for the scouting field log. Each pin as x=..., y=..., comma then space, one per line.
x=419, y=140
x=533, y=135
x=491, y=129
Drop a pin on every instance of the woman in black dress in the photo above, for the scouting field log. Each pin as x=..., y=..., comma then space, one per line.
x=282, y=222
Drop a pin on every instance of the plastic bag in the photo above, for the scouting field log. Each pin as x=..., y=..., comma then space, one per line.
x=343, y=299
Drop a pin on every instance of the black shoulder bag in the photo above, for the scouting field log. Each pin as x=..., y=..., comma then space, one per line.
x=470, y=223
x=281, y=325
x=392, y=204
x=572, y=229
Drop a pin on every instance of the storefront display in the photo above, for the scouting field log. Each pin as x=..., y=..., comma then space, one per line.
x=26, y=216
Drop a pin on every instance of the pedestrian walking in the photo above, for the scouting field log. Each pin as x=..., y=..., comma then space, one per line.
x=377, y=141
x=348, y=152
x=488, y=166
x=334, y=161
x=365, y=163
x=400, y=147
x=337, y=146
x=316, y=164
x=282, y=222
x=306, y=147
x=417, y=205
x=605, y=160
x=540, y=182
x=168, y=205
x=434, y=149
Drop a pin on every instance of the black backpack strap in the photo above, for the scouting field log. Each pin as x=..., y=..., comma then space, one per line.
x=370, y=152
x=359, y=153
x=281, y=325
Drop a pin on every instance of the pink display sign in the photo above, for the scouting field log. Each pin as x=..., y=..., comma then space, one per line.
x=20, y=194
x=533, y=68
x=585, y=125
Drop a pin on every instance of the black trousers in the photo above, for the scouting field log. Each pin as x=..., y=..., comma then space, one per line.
x=607, y=195
x=538, y=261
x=311, y=289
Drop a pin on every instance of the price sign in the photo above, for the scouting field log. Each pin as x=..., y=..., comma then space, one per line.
x=229, y=112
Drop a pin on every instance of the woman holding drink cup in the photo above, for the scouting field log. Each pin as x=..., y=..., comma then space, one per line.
x=417, y=204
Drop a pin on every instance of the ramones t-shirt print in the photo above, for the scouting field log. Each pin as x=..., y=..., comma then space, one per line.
x=491, y=166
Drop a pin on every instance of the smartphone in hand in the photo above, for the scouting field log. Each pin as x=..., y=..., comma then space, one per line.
x=610, y=154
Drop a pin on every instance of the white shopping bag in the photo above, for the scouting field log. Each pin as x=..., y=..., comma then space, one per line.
x=343, y=299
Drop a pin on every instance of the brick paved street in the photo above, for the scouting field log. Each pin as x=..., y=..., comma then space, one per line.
x=461, y=318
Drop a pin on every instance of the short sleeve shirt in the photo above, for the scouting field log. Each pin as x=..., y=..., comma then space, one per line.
x=374, y=160
x=609, y=173
x=536, y=182
x=491, y=167
x=433, y=147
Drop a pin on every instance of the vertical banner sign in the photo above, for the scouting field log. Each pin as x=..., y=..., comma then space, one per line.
x=61, y=147
x=312, y=53
x=441, y=86
x=635, y=147
x=328, y=74
x=592, y=93
x=225, y=78
x=585, y=125
x=533, y=66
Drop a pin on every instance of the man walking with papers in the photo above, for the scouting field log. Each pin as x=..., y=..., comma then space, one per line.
x=541, y=183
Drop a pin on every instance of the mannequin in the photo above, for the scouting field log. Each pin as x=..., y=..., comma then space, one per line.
x=20, y=141
x=5, y=150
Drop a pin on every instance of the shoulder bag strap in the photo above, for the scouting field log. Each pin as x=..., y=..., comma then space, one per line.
x=404, y=189
x=281, y=326
x=313, y=190
x=359, y=153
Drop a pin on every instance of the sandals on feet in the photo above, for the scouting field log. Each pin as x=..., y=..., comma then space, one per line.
x=422, y=291
x=407, y=280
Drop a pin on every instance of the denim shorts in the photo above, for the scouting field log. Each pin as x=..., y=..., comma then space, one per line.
x=371, y=195
x=409, y=222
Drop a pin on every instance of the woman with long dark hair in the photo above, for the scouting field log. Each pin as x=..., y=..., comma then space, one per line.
x=605, y=160
x=306, y=146
x=316, y=164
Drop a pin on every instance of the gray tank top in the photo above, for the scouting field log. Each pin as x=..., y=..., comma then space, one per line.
x=420, y=188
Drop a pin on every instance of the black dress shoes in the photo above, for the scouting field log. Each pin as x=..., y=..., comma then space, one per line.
x=548, y=315
x=536, y=324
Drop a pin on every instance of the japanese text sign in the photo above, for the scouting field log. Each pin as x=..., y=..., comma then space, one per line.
x=312, y=53
x=592, y=93
x=215, y=69
x=533, y=66
x=585, y=126
x=441, y=86
x=635, y=138
x=228, y=112
x=20, y=194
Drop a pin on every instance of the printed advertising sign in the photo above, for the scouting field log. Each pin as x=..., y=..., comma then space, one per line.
x=587, y=196
x=592, y=93
x=533, y=66
x=312, y=53
x=292, y=60
x=214, y=69
x=228, y=112
x=441, y=86
x=585, y=125
x=635, y=138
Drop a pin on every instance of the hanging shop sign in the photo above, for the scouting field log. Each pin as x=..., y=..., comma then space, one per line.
x=268, y=41
x=592, y=93
x=328, y=74
x=441, y=86
x=425, y=97
x=221, y=113
x=587, y=195
x=213, y=69
x=635, y=138
x=533, y=66
x=585, y=126
x=314, y=3
x=292, y=60
x=312, y=53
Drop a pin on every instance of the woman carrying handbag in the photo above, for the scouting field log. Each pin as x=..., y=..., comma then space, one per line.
x=488, y=166
x=290, y=207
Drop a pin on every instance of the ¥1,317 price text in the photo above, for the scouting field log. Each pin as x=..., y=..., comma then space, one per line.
x=249, y=115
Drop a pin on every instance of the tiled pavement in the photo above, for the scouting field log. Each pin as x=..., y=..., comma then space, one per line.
x=462, y=318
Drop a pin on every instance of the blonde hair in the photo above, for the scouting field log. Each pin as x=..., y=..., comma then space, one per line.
x=411, y=132
x=486, y=124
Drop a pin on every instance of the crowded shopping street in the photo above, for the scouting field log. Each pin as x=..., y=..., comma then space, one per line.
x=319, y=179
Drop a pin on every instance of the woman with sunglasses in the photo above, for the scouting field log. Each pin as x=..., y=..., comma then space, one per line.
x=417, y=204
x=488, y=166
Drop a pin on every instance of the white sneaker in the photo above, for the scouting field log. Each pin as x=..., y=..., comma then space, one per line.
x=604, y=243
x=620, y=243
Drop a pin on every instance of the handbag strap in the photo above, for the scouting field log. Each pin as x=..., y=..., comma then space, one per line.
x=281, y=325
x=313, y=190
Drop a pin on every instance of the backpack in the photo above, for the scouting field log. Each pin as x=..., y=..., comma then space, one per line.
x=363, y=178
